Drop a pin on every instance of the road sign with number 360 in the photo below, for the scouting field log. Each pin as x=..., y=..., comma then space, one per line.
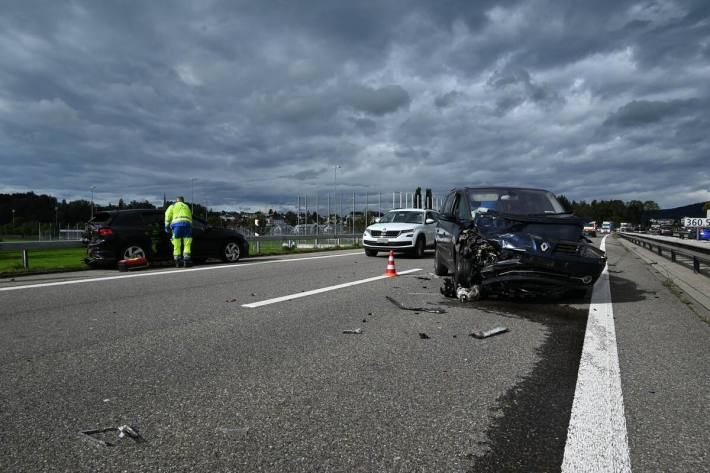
x=696, y=222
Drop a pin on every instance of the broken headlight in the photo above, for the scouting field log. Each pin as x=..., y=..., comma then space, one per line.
x=589, y=251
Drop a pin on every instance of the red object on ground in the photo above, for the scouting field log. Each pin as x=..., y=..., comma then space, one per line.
x=132, y=263
x=390, y=272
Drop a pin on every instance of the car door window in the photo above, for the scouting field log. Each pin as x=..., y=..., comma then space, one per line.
x=460, y=209
x=448, y=204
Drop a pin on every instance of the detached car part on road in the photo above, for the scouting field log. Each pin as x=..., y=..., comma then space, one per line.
x=403, y=230
x=512, y=241
x=115, y=235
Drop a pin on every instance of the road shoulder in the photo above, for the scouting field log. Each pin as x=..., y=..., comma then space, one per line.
x=662, y=346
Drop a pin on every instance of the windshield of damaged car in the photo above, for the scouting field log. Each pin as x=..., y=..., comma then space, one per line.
x=403, y=217
x=514, y=202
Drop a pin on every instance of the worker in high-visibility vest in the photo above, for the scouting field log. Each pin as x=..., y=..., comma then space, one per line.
x=178, y=220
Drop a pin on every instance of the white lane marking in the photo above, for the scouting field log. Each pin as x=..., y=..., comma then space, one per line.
x=174, y=271
x=323, y=289
x=596, y=438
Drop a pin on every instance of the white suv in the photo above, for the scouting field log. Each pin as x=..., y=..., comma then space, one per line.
x=410, y=230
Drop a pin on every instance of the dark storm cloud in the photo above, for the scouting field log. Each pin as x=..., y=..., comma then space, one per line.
x=643, y=112
x=257, y=101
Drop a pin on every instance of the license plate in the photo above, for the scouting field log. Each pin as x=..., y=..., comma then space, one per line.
x=382, y=240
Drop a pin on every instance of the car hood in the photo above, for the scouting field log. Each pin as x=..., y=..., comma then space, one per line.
x=554, y=227
x=397, y=226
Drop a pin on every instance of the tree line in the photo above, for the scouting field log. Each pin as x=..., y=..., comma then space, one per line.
x=634, y=211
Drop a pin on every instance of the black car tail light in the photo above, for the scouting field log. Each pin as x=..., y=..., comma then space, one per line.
x=105, y=231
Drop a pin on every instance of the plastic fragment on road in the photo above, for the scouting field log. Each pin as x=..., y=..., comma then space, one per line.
x=235, y=431
x=437, y=310
x=424, y=336
x=489, y=333
x=123, y=431
x=127, y=430
x=356, y=331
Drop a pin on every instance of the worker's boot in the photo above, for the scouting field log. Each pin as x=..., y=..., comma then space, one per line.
x=178, y=262
x=188, y=261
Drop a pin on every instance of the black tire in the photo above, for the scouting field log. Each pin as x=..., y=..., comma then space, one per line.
x=369, y=252
x=231, y=252
x=134, y=251
x=419, y=248
x=439, y=268
x=577, y=294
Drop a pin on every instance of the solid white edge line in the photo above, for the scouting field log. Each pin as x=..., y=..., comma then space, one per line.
x=174, y=271
x=298, y=295
x=597, y=438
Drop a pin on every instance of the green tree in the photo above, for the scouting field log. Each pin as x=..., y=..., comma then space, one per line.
x=566, y=204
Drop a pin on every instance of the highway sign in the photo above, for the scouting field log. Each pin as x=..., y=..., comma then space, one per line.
x=696, y=222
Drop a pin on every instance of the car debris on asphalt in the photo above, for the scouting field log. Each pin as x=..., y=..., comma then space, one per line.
x=436, y=310
x=424, y=336
x=356, y=331
x=489, y=333
x=123, y=431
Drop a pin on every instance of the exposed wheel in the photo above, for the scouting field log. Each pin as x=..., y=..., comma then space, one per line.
x=231, y=252
x=369, y=252
x=419, y=247
x=133, y=251
x=439, y=268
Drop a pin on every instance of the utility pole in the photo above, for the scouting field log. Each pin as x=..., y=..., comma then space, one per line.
x=192, y=198
x=92, y=201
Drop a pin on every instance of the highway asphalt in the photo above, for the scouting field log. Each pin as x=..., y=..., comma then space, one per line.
x=662, y=341
x=213, y=385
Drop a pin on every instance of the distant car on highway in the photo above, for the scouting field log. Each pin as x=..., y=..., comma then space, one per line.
x=512, y=241
x=402, y=230
x=120, y=234
x=590, y=229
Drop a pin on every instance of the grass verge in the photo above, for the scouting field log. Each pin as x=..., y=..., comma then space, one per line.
x=61, y=259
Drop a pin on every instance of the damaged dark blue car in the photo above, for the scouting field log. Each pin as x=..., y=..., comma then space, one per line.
x=513, y=242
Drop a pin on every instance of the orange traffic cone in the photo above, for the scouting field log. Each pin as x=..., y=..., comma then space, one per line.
x=390, y=272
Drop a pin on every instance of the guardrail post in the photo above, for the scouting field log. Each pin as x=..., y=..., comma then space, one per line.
x=25, y=259
x=696, y=264
x=673, y=256
x=258, y=247
x=660, y=251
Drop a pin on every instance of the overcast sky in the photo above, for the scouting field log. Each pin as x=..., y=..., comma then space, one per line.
x=259, y=100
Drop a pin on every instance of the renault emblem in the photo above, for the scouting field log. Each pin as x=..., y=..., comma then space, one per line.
x=544, y=246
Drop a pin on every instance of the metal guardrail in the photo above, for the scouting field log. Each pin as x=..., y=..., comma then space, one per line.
x=322, y=239
x=40, y=245
x=676, y=252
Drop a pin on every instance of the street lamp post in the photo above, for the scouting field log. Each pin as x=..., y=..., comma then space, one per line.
x=192, y=198
x=13, y=217
x=56, y=219
x=92, y=201
x=335, y=187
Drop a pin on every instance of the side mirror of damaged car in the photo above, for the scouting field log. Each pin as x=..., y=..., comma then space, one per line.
x=429, y=221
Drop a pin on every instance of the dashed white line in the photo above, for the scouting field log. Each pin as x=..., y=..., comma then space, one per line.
x=321, y=290
x=174, y=271
x=596, y=437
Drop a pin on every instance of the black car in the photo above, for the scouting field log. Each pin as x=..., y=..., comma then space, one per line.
x=512, y=241
x=120, y=234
